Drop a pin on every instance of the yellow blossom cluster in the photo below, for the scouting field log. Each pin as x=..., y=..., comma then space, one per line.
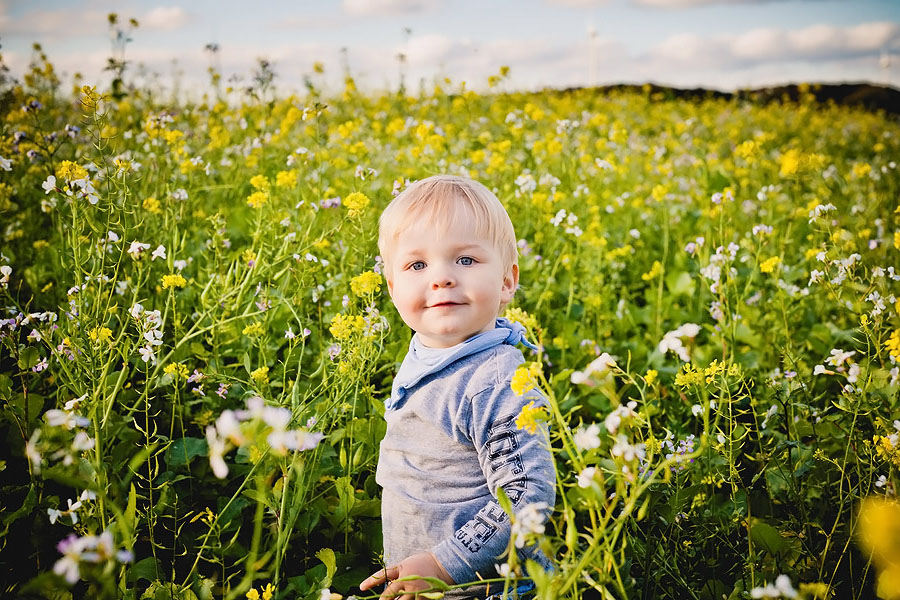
x=355, y=203
x=893, y=344
x=525, y=378
x=261, y=195
x=366, y=284
x=517, y=315
x=176, y=370
x=100, y=334
x=887, y=449
x=173, y=280
x=343, y=326
x=768, y=265
x=691, y=375
x=253, y=329
x=70, y=171
x=260, y=375
x=530, y=417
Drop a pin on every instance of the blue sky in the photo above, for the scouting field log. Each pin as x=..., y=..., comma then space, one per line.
x=723, y=44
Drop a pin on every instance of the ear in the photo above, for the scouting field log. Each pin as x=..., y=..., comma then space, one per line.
x=510, y=283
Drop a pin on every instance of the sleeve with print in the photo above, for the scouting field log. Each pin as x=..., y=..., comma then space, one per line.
x=513, y=459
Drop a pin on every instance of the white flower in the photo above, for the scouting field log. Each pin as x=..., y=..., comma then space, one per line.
x=598, y=366
x=586, y=477
x=49, y=185
x=147, y=354
x=5, y=271
x=697, y=410
x=136, y=249
x=627, y=451
x=229, y=427
x=136, y=310
x=819, y=370
x=587, y=438
x=216, y=453
x=839, y=357
x=529, y=520
x=614, y=419
x=160, y=252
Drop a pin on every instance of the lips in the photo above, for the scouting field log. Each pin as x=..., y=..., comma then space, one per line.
x=444, y=304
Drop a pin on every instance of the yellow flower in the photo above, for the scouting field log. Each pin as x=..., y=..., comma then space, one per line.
x=286, y=179
x=654, y=271
x=260, y=375
x=252, y=594
x=174, y=280
x=893, y=344
x=897, y=239
x=366, y=283
x=688, y=376
x=650, y=377
x=70, y=171
x=100, y=334
x=525, y=378
x=517, y=315
x=879, y=537
x=257, y=199
x=768, y=265
x=861, y=170
x=790, y=162
x=530, y=416
x=355, y=203
x=886, y=449
x=253, y=329
x=343, y=326
x=268, y=592
x=260, y=183
x=176, y=370
x=151, y=204
x=90, y=98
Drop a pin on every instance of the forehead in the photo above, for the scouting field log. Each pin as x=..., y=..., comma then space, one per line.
x=455, y=236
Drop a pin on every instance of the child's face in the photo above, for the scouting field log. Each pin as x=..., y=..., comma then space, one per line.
x=448, y=285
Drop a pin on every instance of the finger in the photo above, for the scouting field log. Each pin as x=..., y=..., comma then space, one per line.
x=379, y=577
x=392, y=591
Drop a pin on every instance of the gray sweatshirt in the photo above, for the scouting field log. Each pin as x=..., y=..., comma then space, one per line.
x=449, y=445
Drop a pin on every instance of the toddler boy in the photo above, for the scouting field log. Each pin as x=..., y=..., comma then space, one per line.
x=450, y=262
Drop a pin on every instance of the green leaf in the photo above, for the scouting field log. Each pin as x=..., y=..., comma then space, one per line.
x=680, y=283
x=504, y=501
x=144, y=569
x=326, y=555
x=182, y=450
x=768, y=538
x=5, y=387
x=28, y=357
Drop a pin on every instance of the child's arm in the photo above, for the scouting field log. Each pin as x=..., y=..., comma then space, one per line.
x=420, y=565
x=514, y=459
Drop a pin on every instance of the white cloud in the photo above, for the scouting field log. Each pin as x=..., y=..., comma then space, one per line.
x=770, y=45
x=59, y=23
x=686, y=3
x=360, y=8
x=165, y=18
x=578, y=3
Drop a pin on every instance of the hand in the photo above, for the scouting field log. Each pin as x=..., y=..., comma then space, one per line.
x=417, y=565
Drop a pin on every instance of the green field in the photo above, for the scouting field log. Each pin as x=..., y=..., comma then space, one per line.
x=196, y=343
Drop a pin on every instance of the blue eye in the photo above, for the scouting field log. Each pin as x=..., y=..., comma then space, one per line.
x=417, y=266
x=466, y=261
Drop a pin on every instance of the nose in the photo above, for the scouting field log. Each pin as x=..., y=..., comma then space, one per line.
x=442, y=278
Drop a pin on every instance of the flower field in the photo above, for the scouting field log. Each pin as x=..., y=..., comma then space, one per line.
x=196, y=343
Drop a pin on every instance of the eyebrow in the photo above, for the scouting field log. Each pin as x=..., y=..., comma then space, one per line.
x=459, y=248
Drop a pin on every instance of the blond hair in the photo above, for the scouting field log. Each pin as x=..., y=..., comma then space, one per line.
x=440, y=200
